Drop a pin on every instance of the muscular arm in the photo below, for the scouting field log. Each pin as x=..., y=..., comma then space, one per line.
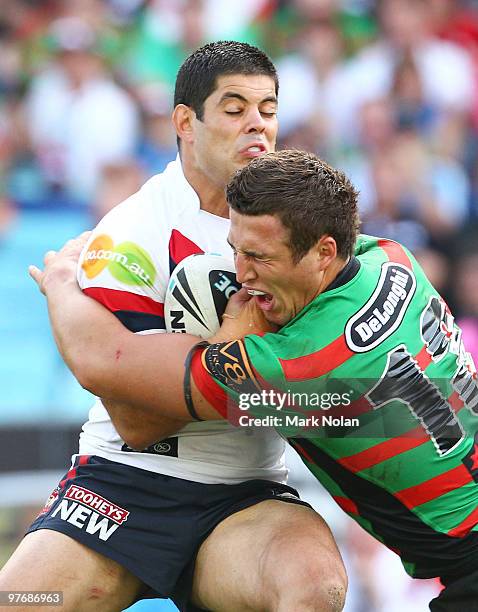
x=140, y=377
x=136, y=427
x=144, y=371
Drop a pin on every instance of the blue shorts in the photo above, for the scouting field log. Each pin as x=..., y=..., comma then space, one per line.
x=151, y=524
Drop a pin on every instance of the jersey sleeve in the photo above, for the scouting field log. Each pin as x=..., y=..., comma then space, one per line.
x=120, y=267
x=227, y=377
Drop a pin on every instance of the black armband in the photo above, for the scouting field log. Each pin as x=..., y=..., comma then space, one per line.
x=187, y=381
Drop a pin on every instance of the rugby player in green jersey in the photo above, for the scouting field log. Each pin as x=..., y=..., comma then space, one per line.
x=361, y=337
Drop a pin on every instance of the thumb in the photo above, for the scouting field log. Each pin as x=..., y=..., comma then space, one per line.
x=36, y=274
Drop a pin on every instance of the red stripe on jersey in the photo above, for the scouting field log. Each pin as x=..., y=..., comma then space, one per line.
x=387, y=449
x=465, y=526
x=82, y=460
x=207, y=386
x=302, y=452
x=456, y=402
x=346, y=504
x=384, y=450
x=115, y=300
x=337, y=352
x=181, y=247
x=423, y=359
x=356, y=408
x=71, y=474
x=434, y=487
x=317, y=364
x=288, y=405
x=395, y=252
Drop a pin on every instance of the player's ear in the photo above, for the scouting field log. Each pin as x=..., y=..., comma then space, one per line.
x=326, y=249
x=183, y=122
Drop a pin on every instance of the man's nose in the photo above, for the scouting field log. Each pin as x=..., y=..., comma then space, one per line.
x=244, y=268
x=255, y=121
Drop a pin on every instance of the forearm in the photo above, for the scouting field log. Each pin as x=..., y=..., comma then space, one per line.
x=71, y=316
x=142, y=371
x=137, y=427
x=139, y=377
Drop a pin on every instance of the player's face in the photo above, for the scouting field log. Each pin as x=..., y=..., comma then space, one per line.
x=264, y=263
x=239, y=124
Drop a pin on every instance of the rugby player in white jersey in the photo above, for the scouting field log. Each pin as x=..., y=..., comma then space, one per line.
x=205, y=517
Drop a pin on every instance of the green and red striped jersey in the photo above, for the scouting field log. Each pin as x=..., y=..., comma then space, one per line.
x=372, y=385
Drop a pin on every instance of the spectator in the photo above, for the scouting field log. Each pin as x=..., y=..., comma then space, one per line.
x=314, y=86
x=416, y=198
x=117, y=182
x=445, y=70
x=168, y=31
x=157, y=145
x=79, y=119
x=411, y=108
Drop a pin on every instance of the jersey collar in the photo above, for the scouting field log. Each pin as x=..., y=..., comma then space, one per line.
x=345, y=275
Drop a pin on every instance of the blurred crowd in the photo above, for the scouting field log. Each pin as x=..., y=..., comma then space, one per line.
x=387, y=90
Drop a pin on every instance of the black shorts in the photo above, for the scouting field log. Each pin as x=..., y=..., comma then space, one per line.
x=151, y=524
x=459, y=595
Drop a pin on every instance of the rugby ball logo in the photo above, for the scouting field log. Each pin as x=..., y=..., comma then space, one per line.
x=197, y=294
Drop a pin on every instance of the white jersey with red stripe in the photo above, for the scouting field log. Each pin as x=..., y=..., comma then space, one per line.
x=126, y=266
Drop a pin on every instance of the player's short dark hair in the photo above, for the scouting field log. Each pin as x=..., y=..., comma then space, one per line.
x=310, y=198
x=197, y=77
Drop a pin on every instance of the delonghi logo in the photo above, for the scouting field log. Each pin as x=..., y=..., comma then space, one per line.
x=384, y=311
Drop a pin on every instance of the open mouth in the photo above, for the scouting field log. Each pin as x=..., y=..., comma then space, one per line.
x=264, y=299
x=254, y=150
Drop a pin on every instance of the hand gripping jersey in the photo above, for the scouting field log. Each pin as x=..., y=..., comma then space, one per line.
x=373, y=387
x=126, y=266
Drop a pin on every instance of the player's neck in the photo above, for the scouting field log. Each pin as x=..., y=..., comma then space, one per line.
x=212, y=199
x=211, y=195
x=332, y=272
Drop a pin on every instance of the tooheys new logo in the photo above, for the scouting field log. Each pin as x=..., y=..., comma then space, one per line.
x=87, y=510
x=127, y=262
x=384, y=311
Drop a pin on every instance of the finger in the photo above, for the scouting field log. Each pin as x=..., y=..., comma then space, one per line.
x=243, y=293
x=36, y=274
x=240, y=297
x=49, y=255
x=81, y=239
x=75, y=245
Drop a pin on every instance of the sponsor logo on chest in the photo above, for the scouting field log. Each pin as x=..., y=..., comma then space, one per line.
x=384, y=311
x=127, y=262
x=89, y=511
